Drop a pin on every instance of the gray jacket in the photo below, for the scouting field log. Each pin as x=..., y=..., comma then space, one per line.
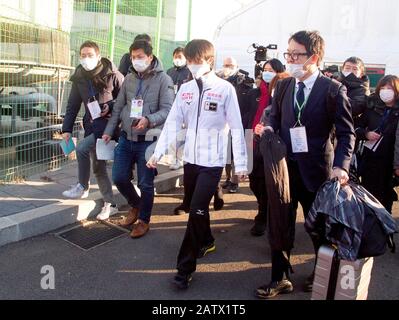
x=157, y=93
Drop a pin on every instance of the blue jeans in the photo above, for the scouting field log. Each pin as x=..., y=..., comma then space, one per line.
x=127, y=154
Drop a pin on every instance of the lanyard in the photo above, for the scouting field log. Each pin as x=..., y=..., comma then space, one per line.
x=139, y=88
x=300, y=109
x=383, y=120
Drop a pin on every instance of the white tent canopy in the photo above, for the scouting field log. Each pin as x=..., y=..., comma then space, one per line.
x=368, y=29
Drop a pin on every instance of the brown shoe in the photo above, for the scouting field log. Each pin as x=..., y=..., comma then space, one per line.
x=131, y=218
x=139, y=229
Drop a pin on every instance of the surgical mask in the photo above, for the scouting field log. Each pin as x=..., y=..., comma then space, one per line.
x=268, y=76
x=346, y=73
x=387, y=95
x=198, y=70
x=296, y=70
x=228, y=72
x=140, y=65
x=179, y=62
x=89, y=64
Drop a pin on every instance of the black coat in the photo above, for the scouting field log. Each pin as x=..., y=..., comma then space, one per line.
x=80, y=94
x=358, y=91
x=316, y=165
x=376, y=167
x=179, y=75
x=280, y=216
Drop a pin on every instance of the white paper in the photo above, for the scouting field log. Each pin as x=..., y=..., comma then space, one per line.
x=105, y=151
x=137, y=108
x=299, y=140
x=373, y=145
x=94, y=109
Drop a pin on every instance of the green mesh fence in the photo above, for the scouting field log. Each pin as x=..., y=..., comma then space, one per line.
x=39, y=48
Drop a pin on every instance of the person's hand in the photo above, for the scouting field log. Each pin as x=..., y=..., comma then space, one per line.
x=152, y=163
x=106, y=138
x=260, y=128
x=372, y=136
x=143, y=124
x=66, y=136
x=105, y=110
x=341, y=175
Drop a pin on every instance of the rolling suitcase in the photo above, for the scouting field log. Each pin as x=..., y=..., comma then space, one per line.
x=337, y=279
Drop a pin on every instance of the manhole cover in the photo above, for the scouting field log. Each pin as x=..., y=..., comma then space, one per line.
x=91, y=235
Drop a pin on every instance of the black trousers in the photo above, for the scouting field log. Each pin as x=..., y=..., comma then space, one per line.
x=199, y=184
x=299, y=194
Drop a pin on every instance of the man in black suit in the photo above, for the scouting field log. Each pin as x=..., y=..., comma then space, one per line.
x=304, y=115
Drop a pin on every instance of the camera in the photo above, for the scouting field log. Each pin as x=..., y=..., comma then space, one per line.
x=261, y=51
x=244, y=78
x=261, y=55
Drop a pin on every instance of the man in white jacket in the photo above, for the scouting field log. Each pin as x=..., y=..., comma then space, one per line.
x=208, y=107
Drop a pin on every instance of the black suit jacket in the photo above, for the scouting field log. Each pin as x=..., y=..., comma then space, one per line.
x=316, y=165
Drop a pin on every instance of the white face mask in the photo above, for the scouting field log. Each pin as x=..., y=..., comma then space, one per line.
x=228, y=72
x=346, y=73
x=296, y=70
x=179, y=62
x=89, y=64
x=198, y=70
x=387, y=95
x=140, y=65
x=268, y=76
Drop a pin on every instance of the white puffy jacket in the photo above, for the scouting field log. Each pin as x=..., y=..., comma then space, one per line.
x=207, y=108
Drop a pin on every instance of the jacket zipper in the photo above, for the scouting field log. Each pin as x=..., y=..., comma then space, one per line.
x=202, y=92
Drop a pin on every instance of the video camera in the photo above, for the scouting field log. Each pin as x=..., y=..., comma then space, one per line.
x=244, y=78
x=261, y=55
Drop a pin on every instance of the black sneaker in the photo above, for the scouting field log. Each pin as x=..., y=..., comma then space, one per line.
x=182, y=281
x=181, y=210
x=218, y=204
x=207, y=249
x=258, y=229
x=233, y=188
x=273, y=289
x=226, y=184
x=308, y=285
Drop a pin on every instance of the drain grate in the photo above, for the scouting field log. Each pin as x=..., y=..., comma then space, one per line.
x=91, y=235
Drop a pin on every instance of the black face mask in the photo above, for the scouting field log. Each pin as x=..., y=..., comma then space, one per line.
x=351, y=77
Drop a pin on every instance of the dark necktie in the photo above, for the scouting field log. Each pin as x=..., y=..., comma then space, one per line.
x=300, y=98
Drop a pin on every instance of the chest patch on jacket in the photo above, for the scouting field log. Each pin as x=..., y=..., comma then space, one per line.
x=187, y=97
x=210, y=106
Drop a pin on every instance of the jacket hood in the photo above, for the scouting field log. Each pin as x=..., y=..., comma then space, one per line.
x=154, y=68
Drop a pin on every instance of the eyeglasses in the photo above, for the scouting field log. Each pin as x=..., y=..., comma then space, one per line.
x=294, y=56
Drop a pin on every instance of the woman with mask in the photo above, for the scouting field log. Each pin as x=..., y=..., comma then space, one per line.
x=377, y=128
x=96, y=84
x=258, y=100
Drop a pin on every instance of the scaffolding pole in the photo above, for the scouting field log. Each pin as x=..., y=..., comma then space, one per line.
x=190, y=8
x=112, y=24
x=159, y=26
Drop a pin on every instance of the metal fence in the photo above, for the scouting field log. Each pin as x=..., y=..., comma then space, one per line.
x=39, y=48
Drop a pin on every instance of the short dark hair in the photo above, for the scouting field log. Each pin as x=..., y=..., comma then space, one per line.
x=357, y=61
x=393, y=81
x=312, y=41
x=144, y=37
x=178, y=50
x=90, y=44
x=199, y=49
x=276, y=64
x=141, y=44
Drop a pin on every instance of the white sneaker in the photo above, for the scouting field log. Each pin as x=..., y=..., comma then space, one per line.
x=76, y=192
x=175, y=166
x=107, y=211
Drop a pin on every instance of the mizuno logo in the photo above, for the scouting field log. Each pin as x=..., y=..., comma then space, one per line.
x=200, y=212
